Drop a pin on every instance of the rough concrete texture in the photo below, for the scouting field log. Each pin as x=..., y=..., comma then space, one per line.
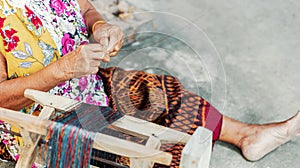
x=257, y=42
x=254, y=79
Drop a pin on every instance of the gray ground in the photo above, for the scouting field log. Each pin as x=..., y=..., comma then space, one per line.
x=254, y=79
x=258, y=46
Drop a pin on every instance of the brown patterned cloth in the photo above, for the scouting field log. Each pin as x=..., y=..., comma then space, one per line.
x=4, y=154
x=160, y=99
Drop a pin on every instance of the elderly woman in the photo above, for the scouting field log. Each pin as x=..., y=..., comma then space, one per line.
x=45, y=46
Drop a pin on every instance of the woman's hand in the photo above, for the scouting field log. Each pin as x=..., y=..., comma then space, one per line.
x=84, y=60
x=110, y=37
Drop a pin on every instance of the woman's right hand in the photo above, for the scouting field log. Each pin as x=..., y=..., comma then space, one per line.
x=84, y=60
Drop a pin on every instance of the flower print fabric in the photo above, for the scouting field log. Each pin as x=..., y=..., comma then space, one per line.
x=63, y=20
x=36, y=34
x=56, y=28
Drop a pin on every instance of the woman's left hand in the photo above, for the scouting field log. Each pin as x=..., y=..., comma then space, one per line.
x=111, y=37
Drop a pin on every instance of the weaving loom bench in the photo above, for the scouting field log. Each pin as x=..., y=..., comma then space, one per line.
x=195, y=154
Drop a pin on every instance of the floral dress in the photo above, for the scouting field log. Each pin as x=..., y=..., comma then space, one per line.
x=33, y=34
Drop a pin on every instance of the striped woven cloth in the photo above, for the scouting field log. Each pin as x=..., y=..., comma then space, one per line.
x=70, y=135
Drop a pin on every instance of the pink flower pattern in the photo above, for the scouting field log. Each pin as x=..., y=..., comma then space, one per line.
x=67, y=43
x=72, y=33
x=58, y=6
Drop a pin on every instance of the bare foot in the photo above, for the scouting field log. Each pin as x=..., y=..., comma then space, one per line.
x=262, y=139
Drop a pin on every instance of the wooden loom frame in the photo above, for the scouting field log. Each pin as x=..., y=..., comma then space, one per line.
x=141, y=156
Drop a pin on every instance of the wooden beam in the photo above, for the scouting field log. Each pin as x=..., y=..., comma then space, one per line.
x=27, y=155
x=29, y=150
x=197, y=151
x=130, y=149
x=126, y=124
x=138, y=127
x=101, y=141
x=46, y=113
x=141, y=163
x=46, y=99
x=24, y=121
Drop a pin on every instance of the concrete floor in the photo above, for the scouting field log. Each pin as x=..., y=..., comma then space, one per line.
x=243, y=56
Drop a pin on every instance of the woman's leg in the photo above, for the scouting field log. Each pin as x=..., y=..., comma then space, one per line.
x=162, y=99
x=255, y=141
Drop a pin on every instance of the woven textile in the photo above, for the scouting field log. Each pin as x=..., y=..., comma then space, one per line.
x=71, y=135
x=89, y=117
x=68, y=146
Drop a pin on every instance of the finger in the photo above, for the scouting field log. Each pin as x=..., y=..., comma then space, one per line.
x=120, y=42
x=106, y=58
x=113, y=41
x=94, y=70
x=97, y=56
x=95, y=63
x=94, y=47
x=104, y=42
x=104, y=39
x=118, y=46
x=116, y=49
x=114, y=53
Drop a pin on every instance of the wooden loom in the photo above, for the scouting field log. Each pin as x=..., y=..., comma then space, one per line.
x=141, y=156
